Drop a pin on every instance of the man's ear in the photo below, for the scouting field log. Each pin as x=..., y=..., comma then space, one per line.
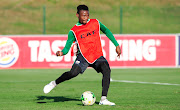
x=77, y=15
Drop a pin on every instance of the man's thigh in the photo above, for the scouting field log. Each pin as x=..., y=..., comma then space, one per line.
x=81, y=62
x=101, y=64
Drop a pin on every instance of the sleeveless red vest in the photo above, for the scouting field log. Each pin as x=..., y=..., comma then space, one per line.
x=88, y=39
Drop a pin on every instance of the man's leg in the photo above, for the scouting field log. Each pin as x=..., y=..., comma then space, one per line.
x=75, y=70
x=106, y=71
x=101, y=65
x=79, y=66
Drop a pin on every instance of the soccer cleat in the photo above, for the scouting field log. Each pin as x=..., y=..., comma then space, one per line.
x=49, y=87
x=106, y=102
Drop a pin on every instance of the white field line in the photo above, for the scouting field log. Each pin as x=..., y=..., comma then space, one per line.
x=126, y=81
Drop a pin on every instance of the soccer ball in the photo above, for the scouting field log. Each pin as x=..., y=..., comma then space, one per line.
x=88, y=98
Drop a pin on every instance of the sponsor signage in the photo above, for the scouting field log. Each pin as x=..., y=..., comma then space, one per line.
x=144, y=51
x=38, y=51
x=9, y=52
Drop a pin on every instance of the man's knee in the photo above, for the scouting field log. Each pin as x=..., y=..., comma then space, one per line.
x=105, y=68
x=75, y=70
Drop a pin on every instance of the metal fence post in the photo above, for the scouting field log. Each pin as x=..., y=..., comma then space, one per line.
x=44, y=19
x=121, y=20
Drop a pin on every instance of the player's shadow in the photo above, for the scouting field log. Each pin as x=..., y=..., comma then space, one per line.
x=41, y=99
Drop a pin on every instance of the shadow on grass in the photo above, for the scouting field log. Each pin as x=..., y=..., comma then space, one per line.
x=41, y=99
x=94, y=103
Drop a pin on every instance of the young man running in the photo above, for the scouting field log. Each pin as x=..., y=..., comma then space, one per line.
x=87, y=35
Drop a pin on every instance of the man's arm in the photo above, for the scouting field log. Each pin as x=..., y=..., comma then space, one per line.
x=109, y=34
x=69, y=42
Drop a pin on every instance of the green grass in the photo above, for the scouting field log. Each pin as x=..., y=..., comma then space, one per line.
x=139, y=16
x=23, y=90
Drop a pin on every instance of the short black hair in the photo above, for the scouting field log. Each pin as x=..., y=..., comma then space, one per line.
x=82, y=7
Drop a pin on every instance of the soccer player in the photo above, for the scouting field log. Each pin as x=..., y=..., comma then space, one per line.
x=87, y=35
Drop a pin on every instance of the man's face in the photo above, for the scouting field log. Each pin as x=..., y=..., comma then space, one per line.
x=83, y=16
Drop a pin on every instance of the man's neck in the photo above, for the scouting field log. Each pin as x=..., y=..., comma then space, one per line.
x=78, y=24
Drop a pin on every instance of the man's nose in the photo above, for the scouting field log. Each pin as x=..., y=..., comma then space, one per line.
x=85, y=17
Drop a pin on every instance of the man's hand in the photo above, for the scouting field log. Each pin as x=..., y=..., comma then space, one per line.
x=59, y=53
x=118, y=51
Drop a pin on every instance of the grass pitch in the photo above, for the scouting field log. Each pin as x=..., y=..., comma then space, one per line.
x=23, y=90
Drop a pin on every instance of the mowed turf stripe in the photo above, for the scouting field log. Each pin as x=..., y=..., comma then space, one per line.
x=126, y=81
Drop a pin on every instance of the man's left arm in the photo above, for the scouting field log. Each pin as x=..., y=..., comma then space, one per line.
x=109, y=34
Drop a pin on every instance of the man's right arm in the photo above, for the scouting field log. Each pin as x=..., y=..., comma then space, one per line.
x=69, y=42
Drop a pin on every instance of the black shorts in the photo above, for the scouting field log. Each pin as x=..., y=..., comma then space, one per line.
x=83, y=64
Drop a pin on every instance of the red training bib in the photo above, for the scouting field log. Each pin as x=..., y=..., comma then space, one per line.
x=88, y=38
